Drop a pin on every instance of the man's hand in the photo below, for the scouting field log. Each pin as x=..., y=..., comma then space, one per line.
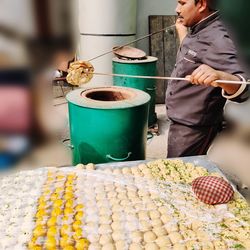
x=205, y=75
x=181, y=29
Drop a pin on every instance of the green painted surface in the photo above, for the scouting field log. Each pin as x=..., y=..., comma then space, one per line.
x=100, y=135
x=147, y=68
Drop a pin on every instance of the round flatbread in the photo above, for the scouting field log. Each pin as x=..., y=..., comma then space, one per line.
x=80, y=72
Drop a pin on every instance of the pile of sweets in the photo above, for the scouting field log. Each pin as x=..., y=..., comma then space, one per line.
x=149, y=206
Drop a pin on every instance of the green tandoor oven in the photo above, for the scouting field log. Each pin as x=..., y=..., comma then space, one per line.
x=108, y=124
x=144, y=67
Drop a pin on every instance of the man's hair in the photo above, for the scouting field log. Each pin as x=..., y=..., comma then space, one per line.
x=211, y=4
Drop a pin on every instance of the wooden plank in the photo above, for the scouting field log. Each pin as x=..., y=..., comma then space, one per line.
x=163, y=46
x=156, y=48
x=170, y=45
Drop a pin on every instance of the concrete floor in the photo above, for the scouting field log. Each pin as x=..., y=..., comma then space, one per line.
x=228, y=151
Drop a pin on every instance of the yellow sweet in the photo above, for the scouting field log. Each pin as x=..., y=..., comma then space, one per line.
x=69, y=189
x=82, y=244
x=52, y=231
x=65, y=229
x=68, y=211
x=58, y=189
x=69, y=203
x=65, y=218
x=79, y=215
x=66, y=241
x=32, y=244
x=78, y=234
x=60, y=177
x=79, y=207
x=41, y=213
x=56, y=211
x=35, y=247
x=68, y=196
x=76, y=225
x=69, y=183
x=42, y=204
x=71, y=177
x=50, y=243
x=39, y=231
x=54, y=197
x=58, y=203
x=50, y=179
x=52, y=221
x=69, y=248
x=40, y=221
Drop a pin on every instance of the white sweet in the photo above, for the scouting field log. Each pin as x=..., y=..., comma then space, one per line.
x=151, y=246
x=117, y=216
x=179, y=246
x=117, y=225
x=105, y=220
x=131, y=217
x=104, y=229
x=132, y=194
x=122, y=196
x=132, y=225
x=145, y=226
x=104, y=211
x=149, y=236
x=152, y=206
x=175, y=237
x=166, y=218
x=171, y=227
x=117, y=208
x=105, y=239
x=163, y=210
x=135, y=246
x=129, y=209
x=154, y=214
x=159, y=231
x=126, y=171
x=117, y=171
x=120, y=245
x=101, y=196
x=163, y=241
x=93, y=238
x=156, y=222
x=125, y=202
x=108, y=246
x=136, y=236
x=90, y=166
x=94, y=246
x=118, y=235
x=111, y=194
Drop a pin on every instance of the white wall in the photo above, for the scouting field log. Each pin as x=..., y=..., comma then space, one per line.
x=146, y=8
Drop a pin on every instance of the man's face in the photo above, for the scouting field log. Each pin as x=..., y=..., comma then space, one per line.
x=188, y=12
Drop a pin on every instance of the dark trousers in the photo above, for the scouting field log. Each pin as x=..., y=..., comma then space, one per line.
x=189, y=141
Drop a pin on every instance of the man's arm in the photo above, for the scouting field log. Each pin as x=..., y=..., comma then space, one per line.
x=181, y=30
x=205, y=75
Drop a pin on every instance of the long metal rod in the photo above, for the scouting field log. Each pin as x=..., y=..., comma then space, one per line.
x=167, y=78
x=136, y=40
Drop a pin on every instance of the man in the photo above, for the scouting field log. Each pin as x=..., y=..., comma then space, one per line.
x=206, y=54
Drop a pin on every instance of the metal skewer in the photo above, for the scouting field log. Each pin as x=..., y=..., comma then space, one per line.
x=138, y=39
x=167, y=78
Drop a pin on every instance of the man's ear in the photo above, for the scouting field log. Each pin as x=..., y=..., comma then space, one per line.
x=202, y=5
